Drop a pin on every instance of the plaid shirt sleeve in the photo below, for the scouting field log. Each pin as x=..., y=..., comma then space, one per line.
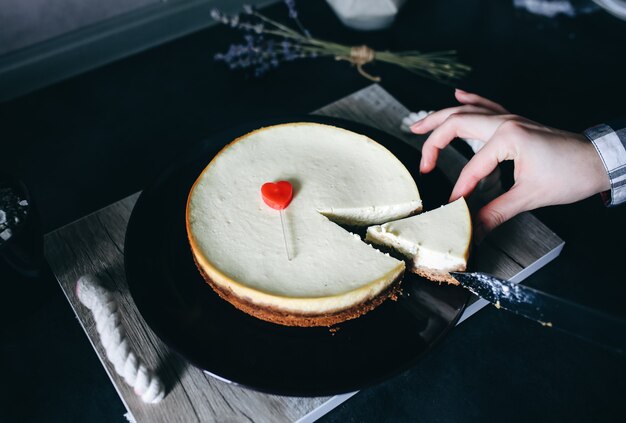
x=610, y=142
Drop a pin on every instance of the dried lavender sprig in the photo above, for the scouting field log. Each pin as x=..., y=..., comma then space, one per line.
x=435, y=65
x=261, y=54
x=293, y=14
x=440, y=66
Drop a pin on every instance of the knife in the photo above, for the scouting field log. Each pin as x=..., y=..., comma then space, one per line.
x=578, y=320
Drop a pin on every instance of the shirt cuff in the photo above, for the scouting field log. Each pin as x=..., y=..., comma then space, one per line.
x=610, y=143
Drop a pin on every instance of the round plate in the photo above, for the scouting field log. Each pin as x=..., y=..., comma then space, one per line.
x=210, y=333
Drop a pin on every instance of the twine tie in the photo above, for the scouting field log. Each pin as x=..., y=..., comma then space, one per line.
x=360, y=56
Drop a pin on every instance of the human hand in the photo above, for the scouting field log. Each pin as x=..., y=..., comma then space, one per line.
x=550, y=166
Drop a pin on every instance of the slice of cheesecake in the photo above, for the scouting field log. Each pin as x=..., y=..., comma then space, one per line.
x=435, y=242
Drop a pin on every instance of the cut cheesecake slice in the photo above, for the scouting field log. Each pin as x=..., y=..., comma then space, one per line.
x=337, y=176
x=435, y=242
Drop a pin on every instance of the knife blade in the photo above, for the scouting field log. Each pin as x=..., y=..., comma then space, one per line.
x=550, y=311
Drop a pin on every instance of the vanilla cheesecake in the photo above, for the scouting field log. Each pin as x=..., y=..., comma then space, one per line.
x=338, y=176
x=435, y=242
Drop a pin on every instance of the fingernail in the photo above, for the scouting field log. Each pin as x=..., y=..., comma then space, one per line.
x=417, y=124
x=422, y=165
x=460, y=91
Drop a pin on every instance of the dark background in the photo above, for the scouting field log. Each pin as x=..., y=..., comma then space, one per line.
x=91, y=140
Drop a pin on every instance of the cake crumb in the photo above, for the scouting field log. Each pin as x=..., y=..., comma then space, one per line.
x=497, y=304
x=334, y=330
x=548, y=324
x=394, y=296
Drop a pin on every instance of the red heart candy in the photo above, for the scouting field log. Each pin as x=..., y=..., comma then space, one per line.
x=277, y=195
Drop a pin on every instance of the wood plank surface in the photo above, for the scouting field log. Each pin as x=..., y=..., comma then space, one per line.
x=95, y=243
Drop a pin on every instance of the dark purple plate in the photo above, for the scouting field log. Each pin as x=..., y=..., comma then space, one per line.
x=213, y=335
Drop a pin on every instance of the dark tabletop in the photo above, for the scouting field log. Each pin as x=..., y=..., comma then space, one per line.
x=89, y=141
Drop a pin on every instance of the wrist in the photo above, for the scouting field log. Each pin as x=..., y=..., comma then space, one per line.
x=599, y=170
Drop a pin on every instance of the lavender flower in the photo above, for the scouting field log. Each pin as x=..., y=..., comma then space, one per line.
x=261, y=54
x=291, y=5
x=234, y=21
x=219, y=16
x=293, y=14
x=258, y=53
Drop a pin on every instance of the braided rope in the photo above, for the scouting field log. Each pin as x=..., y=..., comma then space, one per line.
x=100, y=301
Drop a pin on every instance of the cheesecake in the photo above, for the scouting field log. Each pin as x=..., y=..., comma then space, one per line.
x=434, y=243
x=339, y=178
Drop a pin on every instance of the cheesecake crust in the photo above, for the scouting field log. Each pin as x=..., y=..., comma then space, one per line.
x=437, y=275
x=288, y=318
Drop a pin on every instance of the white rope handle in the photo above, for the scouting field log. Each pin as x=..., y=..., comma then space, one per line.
x=100, y=301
